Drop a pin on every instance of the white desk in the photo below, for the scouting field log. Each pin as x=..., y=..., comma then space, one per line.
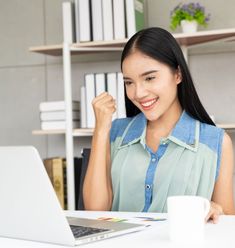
x=217, y=235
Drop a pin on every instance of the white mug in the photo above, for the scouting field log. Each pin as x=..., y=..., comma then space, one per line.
x=186, y=217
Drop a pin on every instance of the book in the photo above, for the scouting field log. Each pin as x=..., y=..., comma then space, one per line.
x=65, y=184
x=57, y=106
x=119, y=19
x=134, y=16
x=83, y=107
x=85, y=159
x=82, y=20
x=121, y=109
x=97, y=21
x=68, y=22
x=55, y=171
x=77, y=179
x=107, y=14
x=112, y=87
x=58, y=115
x=99, y=83
x=57, y=125
x=90, y=95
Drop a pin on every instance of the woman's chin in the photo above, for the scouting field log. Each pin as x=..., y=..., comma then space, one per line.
x=151, y=117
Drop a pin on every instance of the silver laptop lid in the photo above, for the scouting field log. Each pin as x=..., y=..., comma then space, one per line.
x=29, y=208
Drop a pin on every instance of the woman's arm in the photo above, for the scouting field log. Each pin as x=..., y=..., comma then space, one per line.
x=97, y=189
x=222, y=198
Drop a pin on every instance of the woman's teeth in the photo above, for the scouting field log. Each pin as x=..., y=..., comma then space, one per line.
x=149, y=103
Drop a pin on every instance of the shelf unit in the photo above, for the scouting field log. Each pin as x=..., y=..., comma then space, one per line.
x=67, y=50
x=185, y=41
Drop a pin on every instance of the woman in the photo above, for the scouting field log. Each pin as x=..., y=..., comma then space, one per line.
x=168, y=145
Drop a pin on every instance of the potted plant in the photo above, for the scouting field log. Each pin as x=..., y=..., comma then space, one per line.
x=188, y=13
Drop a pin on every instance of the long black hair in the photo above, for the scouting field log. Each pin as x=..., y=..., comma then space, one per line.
x=159, y=44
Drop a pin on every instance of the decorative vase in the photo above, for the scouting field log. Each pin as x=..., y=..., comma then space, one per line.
x=189, y=26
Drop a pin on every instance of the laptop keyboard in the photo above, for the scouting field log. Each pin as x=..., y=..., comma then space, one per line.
x=81, y=231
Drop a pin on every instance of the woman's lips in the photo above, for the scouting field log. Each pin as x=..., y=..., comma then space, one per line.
x=146, y=105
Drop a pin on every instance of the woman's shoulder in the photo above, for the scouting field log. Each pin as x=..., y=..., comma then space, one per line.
x=210, y=130
x=119, y=126
x=211, y=135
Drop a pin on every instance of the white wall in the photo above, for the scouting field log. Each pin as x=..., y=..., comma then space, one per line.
x=27, y=78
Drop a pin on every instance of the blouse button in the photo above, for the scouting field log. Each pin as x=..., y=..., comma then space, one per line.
x=148, y=186
x=153, y=159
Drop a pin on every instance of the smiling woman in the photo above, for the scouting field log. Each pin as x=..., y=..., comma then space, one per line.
x=168, y=145
x=153, y=90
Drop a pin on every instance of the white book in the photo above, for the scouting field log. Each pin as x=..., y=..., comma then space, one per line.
x=107, y=13
x=57, y=106
x=119, y=19
x=112, y=87
x=121, y=109
x=99, y=83
x=90, y=95
x=83, y=107
x=58, y=115
x=68, y=22
x=97, y=22
x=56, y=125
x=134, y=16
x=82, y=20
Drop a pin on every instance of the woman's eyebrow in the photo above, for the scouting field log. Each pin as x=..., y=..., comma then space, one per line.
x=147, y=72
x=143, y=74
x=126, y=78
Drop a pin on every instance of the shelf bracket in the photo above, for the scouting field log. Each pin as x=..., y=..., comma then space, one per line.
x=69, y=129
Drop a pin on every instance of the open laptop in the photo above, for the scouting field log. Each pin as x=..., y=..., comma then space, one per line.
x=30, y=210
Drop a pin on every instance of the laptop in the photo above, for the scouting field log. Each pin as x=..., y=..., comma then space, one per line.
x=30, y=210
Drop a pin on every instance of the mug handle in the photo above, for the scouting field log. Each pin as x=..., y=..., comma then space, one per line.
x=207, y=206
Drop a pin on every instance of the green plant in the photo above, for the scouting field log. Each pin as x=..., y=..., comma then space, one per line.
x=190, y=11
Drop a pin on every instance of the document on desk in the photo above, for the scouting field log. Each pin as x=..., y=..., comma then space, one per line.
x=147, y=219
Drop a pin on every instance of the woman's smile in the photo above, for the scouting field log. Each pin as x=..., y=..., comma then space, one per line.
x=148, y=104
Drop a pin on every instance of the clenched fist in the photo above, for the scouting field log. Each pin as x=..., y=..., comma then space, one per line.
x=104, y=106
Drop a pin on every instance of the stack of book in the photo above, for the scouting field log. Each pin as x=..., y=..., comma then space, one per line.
x=56, y=170
x=95, y=84
x=53, y=115
x=97, y=20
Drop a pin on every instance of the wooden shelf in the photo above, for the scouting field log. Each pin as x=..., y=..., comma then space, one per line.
x=227, y=126
x=86, y=132
x=76, y=132
x=53, y=50
x=200, y=37
x=83, y=132
x=43, y=132
x=183, y=39
x=81, y=48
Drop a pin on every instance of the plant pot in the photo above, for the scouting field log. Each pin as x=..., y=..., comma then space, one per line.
x=189, y=26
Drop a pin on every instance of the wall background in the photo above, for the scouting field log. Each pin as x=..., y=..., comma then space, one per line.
x=27, y=78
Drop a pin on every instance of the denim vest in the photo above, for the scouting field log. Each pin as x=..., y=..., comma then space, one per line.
x=186, y=163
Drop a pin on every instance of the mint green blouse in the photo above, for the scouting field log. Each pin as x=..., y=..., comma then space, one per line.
x=186, y=163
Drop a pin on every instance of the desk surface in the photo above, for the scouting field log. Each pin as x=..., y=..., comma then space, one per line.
x=217, y=235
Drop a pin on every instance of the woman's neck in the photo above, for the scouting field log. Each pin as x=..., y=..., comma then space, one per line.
x=163, y=125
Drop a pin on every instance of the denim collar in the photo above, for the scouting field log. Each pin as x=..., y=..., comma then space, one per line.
x=185, y=133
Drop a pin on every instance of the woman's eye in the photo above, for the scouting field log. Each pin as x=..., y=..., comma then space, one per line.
x=149, y=78
x=127, y=83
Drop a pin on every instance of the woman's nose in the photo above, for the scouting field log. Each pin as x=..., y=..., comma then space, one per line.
x=140, y=91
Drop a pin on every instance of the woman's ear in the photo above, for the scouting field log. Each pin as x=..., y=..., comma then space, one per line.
x=178, y=75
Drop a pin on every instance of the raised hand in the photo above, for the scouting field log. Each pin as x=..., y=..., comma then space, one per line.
x=104, y=106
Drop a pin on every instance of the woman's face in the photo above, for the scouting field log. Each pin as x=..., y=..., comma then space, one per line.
x=150, y=85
